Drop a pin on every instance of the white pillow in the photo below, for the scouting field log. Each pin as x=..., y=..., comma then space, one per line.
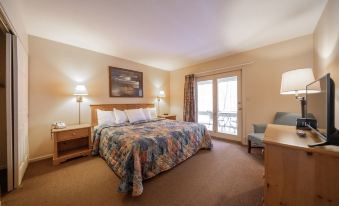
x=105, y=117
x=135, y=115
x=120, y=116
x=147, y=114
x=152, y=112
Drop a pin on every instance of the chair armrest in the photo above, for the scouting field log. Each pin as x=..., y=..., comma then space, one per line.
x=259, y=128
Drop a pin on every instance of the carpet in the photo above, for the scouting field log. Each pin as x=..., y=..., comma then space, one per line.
x=226, y=175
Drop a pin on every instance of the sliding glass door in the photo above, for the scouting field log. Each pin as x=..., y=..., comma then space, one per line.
x=205, y=103
x=219, y=104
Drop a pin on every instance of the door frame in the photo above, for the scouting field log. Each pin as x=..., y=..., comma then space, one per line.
x=214, y=77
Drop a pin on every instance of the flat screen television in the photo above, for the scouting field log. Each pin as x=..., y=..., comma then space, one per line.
x=320, y=110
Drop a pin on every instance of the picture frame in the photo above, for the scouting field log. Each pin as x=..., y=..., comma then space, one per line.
x=125, y=83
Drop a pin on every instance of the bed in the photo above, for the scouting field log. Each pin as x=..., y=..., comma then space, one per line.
x=139, y=151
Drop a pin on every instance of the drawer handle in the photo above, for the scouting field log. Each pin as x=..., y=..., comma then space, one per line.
x=309, y=153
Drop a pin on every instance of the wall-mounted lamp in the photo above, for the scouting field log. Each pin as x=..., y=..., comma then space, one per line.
x=79, y=92
x=160, y=95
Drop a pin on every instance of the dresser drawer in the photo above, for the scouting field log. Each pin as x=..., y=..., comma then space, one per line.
x=72, y=134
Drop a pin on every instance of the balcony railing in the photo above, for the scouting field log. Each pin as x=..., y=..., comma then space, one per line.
x=227, y=121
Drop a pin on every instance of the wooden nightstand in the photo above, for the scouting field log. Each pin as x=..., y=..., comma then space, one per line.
x=70, y=142
x=169, y=116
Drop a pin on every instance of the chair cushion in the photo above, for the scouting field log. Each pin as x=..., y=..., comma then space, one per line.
x=256, y=139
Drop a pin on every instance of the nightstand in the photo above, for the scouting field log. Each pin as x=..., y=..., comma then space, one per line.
x=169, y=116
x=70, y=142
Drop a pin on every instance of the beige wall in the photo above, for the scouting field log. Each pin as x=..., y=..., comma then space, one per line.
x=260, y=80
x=326, y=47
x=55, y=69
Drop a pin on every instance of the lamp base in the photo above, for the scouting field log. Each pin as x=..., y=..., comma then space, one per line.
x=79, y=98
x=158, y=109
x=302, y=105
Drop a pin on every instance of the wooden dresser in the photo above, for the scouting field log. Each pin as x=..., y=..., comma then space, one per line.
x=297, y=175
x=70, y=142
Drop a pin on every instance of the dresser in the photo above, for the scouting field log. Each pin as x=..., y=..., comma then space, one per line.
x=296, y=174
x=70, y=142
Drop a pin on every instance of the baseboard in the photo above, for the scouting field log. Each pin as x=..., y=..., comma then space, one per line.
x=40, y=158
x=227, y=140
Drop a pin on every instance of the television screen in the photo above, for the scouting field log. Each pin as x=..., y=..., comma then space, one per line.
x=316, y=104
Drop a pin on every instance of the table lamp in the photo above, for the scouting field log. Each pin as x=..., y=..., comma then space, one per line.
x=294, y=82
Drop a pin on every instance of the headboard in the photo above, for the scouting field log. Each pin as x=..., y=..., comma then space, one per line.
x=109, y=107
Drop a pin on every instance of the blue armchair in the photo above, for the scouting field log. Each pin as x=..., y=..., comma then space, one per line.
x=255, y=139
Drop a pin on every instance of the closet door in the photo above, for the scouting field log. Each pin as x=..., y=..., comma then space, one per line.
x=16, y=111
x=13, y=106
x=21, y=103
x=20, y=99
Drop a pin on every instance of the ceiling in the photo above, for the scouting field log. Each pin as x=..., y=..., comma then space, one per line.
x=170, y=34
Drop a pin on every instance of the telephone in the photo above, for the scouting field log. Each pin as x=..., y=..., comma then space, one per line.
x=59, y=125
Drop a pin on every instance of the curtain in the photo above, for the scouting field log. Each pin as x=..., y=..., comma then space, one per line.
x=189, y=98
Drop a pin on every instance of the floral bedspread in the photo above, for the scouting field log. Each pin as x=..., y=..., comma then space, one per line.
x=136, y=152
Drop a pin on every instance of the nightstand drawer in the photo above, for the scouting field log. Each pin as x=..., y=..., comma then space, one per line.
x=170, y=116
x=72, y=134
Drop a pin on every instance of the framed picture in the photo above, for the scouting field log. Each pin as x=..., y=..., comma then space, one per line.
x=125, y=83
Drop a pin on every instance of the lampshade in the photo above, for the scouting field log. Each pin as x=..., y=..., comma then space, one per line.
x=80, y=90
x=161, y=93
x=295, y=81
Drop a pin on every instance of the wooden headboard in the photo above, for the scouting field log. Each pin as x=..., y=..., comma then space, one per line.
x=110, y=107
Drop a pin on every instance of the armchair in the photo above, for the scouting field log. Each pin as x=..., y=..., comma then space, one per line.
x=255, y=139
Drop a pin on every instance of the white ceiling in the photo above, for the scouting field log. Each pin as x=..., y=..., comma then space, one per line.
x=170, y=34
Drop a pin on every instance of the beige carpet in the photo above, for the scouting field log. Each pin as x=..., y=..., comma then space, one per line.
x=226, y=175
